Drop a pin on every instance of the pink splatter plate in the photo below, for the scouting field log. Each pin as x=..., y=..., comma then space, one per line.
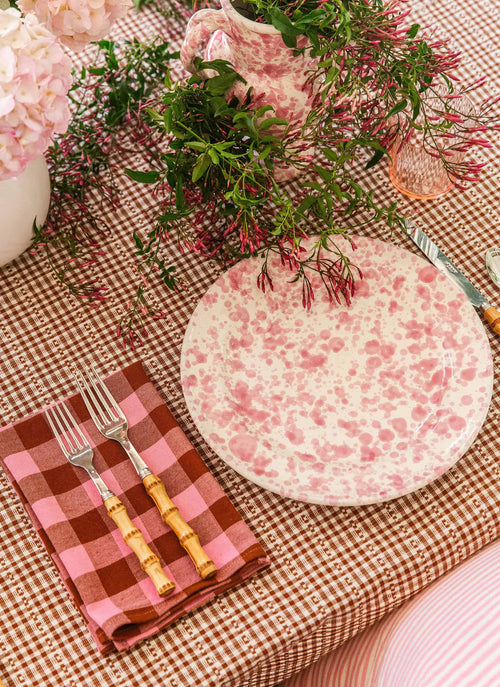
x=339, y=405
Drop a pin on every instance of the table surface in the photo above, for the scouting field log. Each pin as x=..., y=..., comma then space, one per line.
x=333, y=570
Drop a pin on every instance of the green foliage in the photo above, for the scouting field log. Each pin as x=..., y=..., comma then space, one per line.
x=217, y=177
x=364, y=52
x=108, y=100
x=220, y=169
x=124, y=79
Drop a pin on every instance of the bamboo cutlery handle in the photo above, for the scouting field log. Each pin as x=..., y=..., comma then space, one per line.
x=492, y=317
x=187, y=537
x=150, y=563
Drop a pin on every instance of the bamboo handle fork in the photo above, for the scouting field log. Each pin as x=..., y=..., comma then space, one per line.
x=112, y=423
x=78, y=451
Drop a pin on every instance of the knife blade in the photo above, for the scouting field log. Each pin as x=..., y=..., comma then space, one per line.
x=435, y=255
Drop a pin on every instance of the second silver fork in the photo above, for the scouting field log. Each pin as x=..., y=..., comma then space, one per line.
x=112, y=423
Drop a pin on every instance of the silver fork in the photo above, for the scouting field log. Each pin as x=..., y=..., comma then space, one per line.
x=78, y=451
x=112, y=423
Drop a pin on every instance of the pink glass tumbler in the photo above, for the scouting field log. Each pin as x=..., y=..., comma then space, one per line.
x=417, y=173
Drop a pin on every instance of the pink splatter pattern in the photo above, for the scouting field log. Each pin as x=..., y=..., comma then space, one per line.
x=258, y=54
x=339, y=405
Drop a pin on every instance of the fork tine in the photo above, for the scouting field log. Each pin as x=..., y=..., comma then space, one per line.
x=110, y=404
x=65, y=424
x=60, y=420
x=64, y=432
x=51, y=418
x=93, y=406
x=73, y=428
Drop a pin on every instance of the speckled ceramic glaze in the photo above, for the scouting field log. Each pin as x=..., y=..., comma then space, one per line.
x=339, y=405
x=258, y=53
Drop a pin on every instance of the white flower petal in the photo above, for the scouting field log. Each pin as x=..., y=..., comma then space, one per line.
x=7, y=104
x=35, y=75
x=7, y=63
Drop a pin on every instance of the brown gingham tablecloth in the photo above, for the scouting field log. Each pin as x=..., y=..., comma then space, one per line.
x=333, y=570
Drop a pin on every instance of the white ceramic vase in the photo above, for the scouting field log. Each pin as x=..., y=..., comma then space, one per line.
x=22, y=200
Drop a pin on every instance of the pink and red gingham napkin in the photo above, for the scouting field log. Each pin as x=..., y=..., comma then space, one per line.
x=116, y=598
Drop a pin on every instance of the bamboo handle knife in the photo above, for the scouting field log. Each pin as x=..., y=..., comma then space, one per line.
x=445, y=265
x=492, y=317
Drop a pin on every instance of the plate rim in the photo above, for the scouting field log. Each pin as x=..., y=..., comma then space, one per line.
x=255, y=479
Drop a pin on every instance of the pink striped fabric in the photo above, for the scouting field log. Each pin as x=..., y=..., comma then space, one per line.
x=447, y=636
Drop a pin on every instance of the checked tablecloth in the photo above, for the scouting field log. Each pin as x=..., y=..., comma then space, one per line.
x=333, y=571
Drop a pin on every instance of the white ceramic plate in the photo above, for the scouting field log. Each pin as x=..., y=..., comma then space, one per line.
x=339, y=405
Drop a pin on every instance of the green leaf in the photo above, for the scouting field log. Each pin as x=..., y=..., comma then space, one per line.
x=220, y=66
x=332, y=73
x=105, y=45
x=399, y=107
x=262, y=110
x=155, y=116
x=289, y=41
x=143, y=177
x=314, y=38
x=167, y=120
x=306, y=204
x=218, y=85
x=219, y=105
x=336, y=190
x=265, y=152
x=330, y=154
x=320, y=209
x=325, y=63
x=324, y=174
x=379, y=154
x=138, y=241
x=413, y=30
x=200, y=167
x=168, y=217
x=308, y=18
x=282, y=23
x=356, y=187
x=272, y=121
x=213, y=156
x=196, y=145
x=313, y=184
x=243, y=117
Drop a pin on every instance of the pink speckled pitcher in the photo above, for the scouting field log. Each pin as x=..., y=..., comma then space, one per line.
x=257, y=52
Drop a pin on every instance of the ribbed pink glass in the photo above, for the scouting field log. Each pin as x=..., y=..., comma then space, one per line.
x=417, y=173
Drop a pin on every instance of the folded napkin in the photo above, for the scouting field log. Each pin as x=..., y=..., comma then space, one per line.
x=116, y=598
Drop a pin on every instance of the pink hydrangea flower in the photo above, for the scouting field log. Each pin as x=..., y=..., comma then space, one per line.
x=77, y=22
x=35, y=76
